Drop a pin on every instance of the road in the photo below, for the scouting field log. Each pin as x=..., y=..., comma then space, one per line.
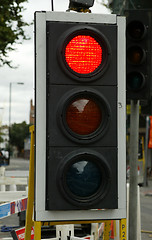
x=146, y=204
x=18, y=164
x=146, y=211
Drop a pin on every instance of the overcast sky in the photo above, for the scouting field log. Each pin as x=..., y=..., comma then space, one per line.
x=23, y=57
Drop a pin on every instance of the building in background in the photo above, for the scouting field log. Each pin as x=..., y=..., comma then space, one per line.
x=4, y=133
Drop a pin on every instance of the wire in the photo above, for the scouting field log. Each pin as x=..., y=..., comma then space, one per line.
x=52, y=5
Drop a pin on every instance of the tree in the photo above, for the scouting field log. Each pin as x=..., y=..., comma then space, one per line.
x=18, y=133
x=11, y=27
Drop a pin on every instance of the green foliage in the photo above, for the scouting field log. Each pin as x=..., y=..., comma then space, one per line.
x=11, y=27
x=18, y=133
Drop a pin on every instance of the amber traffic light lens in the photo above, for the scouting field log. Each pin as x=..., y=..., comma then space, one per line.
x=83, y=116
x=135, y=55
x=83, y=54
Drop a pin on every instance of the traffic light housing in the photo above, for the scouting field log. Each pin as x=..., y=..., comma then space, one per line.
x=80, y=116
x=82, y=3
x=138, y=52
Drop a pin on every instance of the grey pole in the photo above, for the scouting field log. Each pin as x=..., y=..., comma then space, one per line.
x=10, y=92
x=10, y=102
x=134, y=138
x=146, y=151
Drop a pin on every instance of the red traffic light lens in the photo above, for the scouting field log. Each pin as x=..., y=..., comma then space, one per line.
x=83, y=54
x=136, y=30
x=83, y=116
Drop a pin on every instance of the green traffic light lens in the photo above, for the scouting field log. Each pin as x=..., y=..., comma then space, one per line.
x=136, y=55
x=83, y=178
x=136, y=30
x=135, y=81
x=86, y=177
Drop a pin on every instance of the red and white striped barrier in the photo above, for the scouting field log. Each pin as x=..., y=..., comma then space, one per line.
x=10, y=208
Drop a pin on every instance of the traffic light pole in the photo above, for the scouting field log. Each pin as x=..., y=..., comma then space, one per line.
x=134, y=129
x=146, y=151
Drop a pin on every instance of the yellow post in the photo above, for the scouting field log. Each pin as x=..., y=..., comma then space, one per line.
x=107, y=226
x=115, y=230
x=123, y=229
x=37, y=230
x=29, y=212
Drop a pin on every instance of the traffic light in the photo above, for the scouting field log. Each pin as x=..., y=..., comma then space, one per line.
x=139, y=61
x=80, y=116
x=81, y=3
x=81, y=102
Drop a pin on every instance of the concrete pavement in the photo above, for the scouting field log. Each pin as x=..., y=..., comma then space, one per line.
x=146, y=211
x=147, y=191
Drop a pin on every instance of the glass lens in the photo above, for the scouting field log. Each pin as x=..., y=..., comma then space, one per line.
x=135, y=55
x=83, y=116
x=136, y=30
x=83, y=54
x=83, y=178
x=135, y=81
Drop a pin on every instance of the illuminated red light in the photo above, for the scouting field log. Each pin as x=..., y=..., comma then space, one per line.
x=83, y=116
x=83, y=54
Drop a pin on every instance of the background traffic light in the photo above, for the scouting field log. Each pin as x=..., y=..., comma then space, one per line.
x=81, y=3
x=139, y=60
x=80, y=110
